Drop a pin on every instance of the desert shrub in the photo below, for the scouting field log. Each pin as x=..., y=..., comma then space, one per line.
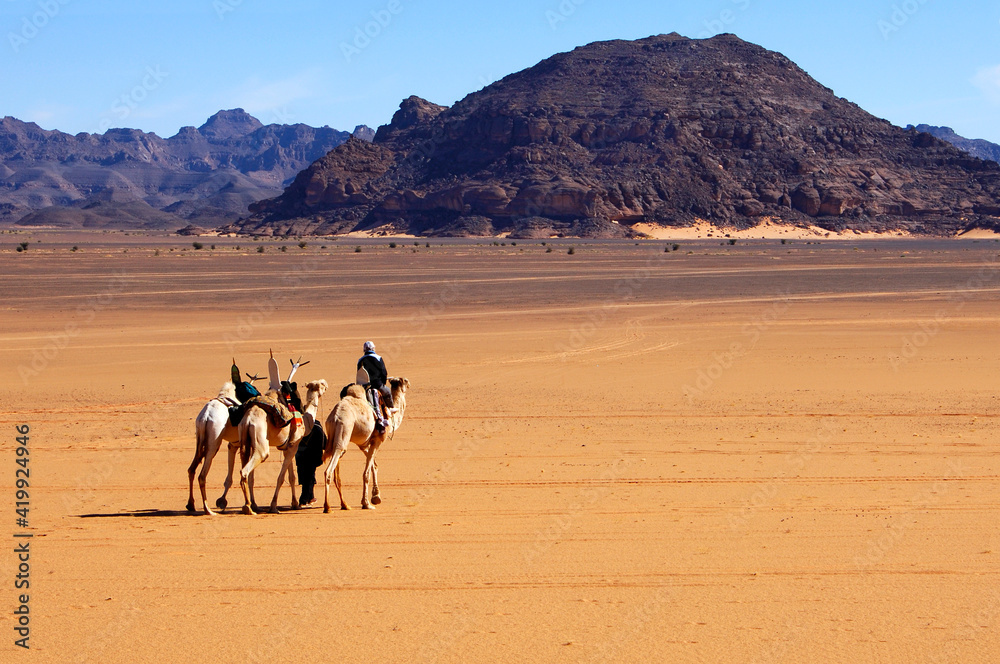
x=197, y=245
x=676, y=247
x=784, y=241
x=284, y=248
x=428, y=245
x=392, y=245
x=571, y=251
x=22, y=246
x=549, y=250
x=260, y=250
x=357, y=250
x=732, y=242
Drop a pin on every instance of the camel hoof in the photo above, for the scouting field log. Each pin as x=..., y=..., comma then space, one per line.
x=190, y=506
x=326, y=510
x=255, y=507
x=222, y=503
x=345, y=507
x=376, y=500
x=273, y=510
x=208, y=512
x=367, y=506
x=248, y=510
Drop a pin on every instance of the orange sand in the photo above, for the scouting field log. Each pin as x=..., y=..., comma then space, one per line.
x=738, y=454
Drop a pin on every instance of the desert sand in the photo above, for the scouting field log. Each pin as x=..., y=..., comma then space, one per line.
x=750, y=453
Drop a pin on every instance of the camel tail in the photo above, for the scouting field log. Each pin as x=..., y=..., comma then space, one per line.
x=246, y=443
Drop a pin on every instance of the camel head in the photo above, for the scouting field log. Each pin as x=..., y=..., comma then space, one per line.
x=316, y=388
x=398, y=387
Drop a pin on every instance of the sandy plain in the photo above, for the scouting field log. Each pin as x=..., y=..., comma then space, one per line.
x=755, y=453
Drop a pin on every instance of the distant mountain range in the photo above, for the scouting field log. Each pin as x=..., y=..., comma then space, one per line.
x=665, y=130
x=977, y=147
x=132, y=179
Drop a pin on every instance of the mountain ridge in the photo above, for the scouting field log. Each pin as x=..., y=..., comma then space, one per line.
x=209, y=174
x=664, y=130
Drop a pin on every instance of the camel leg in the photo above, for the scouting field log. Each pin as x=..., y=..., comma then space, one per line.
x=251, y=461
x=291, y=478
x=287, y=466
x=366, y=478
x=376, y=499
x=340, y=489
x=253, y=498
x=199, y=454
x=328, y=475
x=222, y=503
x=213, y=449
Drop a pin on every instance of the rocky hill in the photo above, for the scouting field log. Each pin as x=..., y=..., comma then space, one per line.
x=128, y=178
x=977, y=147
x=664, y=130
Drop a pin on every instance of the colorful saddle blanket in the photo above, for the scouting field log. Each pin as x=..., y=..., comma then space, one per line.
x=279, y=414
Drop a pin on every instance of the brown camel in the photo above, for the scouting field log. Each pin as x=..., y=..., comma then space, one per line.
x=257, y=435
x=352, y=420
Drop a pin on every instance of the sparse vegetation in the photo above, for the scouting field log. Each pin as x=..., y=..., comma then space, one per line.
x=284, y=248
x=156, y=253
x=213, y=247
x=548, y=250
x=357, y=250
x=732, y=241
x=22, y=246
x=571, y=251
x=197, y=245
x=260, y=250
x=303, y=244
x=676, y=247
x=428, y=245
x=392, y=245
x=75, y=248
x=784, y=241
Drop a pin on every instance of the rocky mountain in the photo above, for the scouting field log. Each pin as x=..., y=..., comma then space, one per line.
x=129, y=178
x=665, y=130
x=977, y=147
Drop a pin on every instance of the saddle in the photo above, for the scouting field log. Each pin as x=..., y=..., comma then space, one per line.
x=279, y=414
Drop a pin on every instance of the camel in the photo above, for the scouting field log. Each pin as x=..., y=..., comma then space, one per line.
x=257, y=435
x=352, y=420
x=212, y=427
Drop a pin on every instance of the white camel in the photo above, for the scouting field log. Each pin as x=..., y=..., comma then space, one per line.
x=352, y=420
x=257, y=435
x=212, y=428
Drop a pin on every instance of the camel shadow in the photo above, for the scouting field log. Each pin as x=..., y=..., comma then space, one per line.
x=131, y=514
x=138, y=513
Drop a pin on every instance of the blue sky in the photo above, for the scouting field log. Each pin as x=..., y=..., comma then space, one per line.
x=85, y=65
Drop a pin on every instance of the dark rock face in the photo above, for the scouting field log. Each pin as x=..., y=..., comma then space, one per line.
x=664, y=129
x=128, y=178
x=977, y=147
